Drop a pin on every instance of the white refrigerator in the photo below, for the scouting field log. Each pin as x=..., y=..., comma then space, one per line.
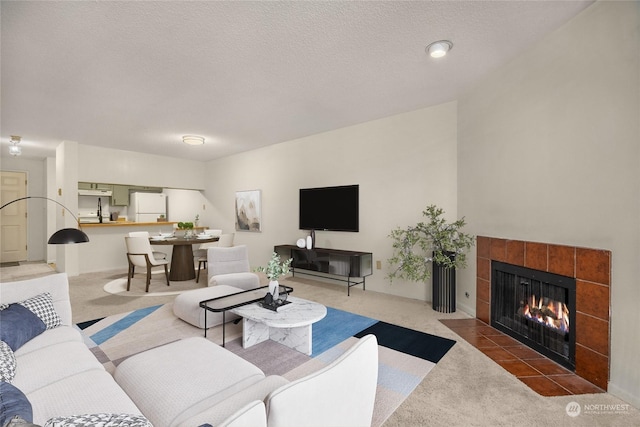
x=147, y=207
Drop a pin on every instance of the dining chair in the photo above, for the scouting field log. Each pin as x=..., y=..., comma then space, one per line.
x=156, y=254
x=200, y=254
x=139, y=254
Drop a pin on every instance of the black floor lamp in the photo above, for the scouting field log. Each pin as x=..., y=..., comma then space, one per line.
x=63, y=236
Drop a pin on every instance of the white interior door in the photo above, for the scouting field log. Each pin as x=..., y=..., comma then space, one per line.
x=13, y=218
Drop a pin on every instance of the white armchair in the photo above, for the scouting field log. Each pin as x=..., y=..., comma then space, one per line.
x=200, y=254
x=341, y=394
x=230, y=266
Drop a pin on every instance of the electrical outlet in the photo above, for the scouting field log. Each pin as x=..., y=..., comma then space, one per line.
x=379, y=265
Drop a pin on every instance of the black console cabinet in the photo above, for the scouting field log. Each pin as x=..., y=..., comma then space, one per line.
x=335, y=262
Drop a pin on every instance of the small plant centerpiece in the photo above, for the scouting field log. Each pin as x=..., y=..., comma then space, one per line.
x=274, y=269
x=187, y=227
x=431, y=241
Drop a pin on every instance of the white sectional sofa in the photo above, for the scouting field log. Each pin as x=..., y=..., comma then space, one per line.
x=192, y=382
x=56, y=371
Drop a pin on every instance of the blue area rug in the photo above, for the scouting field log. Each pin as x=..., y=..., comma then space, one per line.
x=419, y=344
x=405, y=356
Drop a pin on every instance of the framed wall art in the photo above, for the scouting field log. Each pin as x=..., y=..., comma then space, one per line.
x=248, y=210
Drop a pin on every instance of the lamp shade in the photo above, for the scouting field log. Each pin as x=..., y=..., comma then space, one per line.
x=68, y=235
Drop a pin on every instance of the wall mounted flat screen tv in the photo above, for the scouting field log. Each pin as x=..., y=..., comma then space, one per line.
x=330, y=208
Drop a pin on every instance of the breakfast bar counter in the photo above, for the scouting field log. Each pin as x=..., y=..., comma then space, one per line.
x=127, y=224
x=106, y=249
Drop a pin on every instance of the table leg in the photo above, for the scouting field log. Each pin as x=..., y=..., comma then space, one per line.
x=182, y=267
x=298, y=338
x=253, y=332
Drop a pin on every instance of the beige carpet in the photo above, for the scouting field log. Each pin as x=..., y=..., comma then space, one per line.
x=466, y=388
x=26, y=270
x=157, y=287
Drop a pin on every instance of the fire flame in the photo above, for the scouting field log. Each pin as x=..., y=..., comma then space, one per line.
x=553, y=314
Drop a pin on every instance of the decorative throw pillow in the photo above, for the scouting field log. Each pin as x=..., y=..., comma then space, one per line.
x=7, y=363
x=13, y=403
x=18, y=325
x=42, y=306
x=99, y=420
x=3, y=306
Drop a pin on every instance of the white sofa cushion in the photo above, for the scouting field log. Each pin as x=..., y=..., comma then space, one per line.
x=89, y=392
x=226, y=409
x=48, y=365
x=341, y=394
x=252, y=414
x=52, y=336
x=176, y=381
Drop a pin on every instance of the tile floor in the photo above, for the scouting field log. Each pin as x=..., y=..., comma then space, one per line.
x=541, y=374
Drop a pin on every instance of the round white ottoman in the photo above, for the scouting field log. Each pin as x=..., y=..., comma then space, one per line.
x=186, y=306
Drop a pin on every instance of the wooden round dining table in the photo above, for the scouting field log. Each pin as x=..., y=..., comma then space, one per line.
x=182, y=264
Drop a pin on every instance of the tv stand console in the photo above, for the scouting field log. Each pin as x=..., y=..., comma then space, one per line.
x=334, y=262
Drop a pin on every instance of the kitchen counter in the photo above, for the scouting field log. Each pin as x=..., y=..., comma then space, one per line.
x=106, y=249
x=125, y=224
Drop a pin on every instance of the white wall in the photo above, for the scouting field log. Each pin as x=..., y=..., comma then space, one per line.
x=549, y=151
x=402, y=163
x=97, y=164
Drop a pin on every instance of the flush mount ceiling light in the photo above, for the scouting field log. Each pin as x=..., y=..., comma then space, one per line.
x=439, y=49
x=14, y=149
x=193, y=140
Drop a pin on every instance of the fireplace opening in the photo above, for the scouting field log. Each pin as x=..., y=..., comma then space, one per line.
x=537, y=308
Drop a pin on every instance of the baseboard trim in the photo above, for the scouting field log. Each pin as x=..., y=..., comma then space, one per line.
x=624, y=395
x=471, y=311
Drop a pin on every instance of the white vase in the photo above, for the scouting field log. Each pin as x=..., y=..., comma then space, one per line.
x=274, y=289
x=309, y=242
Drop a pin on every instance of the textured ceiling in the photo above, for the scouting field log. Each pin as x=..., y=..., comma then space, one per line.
x=137, y=75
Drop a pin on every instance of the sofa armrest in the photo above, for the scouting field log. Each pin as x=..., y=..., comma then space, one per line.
x=56, y=284
x=341, y=394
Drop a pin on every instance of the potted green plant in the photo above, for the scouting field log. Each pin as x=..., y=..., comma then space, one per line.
x=185, y=228
x=436, y=242
x=274, y=269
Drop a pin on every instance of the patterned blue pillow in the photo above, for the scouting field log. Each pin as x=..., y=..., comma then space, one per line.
x=7, y=363
x=42, y=306
x=99, y=420
x=13, y=403
x=18, y=325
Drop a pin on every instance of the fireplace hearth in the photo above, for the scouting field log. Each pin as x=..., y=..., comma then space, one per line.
x=537, y=308
x=591, y=269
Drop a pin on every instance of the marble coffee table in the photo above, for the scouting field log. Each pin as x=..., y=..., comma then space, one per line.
x=291, y=326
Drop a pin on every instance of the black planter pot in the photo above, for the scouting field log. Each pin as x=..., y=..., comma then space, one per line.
x=444, y=287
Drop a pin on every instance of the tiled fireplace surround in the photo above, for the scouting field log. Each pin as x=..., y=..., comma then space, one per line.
x=592, y=270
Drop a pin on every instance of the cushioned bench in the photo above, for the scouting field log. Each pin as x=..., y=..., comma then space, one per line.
x=186, y=306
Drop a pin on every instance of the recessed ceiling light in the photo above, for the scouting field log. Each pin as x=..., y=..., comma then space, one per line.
x=193, y=140
x=439, y=49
